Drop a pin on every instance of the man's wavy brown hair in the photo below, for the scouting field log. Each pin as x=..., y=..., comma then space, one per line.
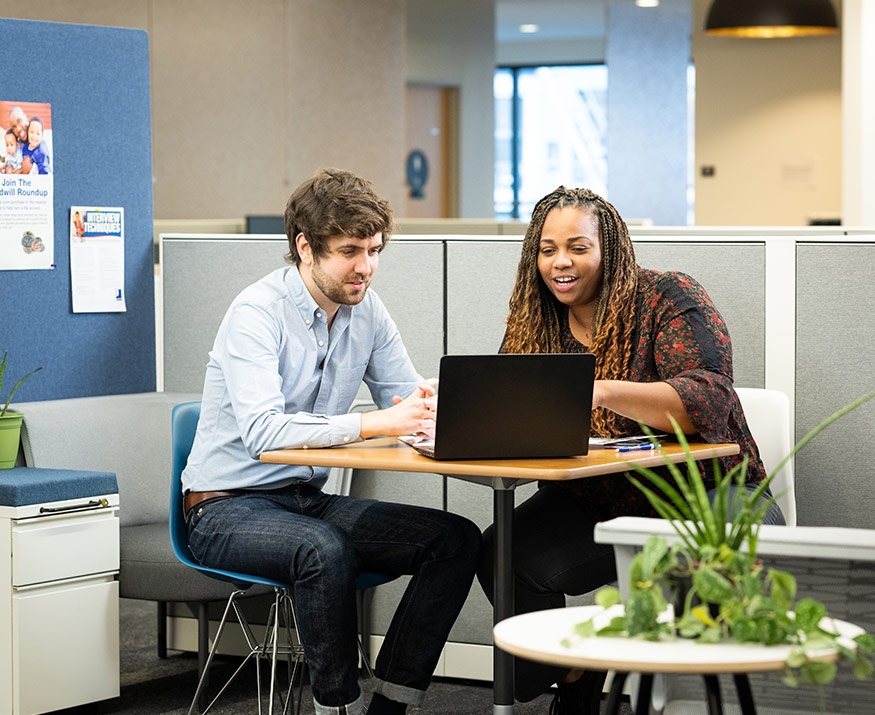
x=533, y=320
x=334, y=202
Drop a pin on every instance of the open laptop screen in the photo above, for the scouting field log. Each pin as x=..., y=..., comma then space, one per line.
x=513, y=406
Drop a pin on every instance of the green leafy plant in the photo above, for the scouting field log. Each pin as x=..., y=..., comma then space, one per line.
x=718, y=587
x=17, y=384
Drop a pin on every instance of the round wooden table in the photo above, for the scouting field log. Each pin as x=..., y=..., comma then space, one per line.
x=548, y=637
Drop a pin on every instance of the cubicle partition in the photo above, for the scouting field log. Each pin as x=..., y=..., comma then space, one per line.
x=201, y=274
x=447, y=293
x=95, y=82
x=798, y=304
x=835, y=365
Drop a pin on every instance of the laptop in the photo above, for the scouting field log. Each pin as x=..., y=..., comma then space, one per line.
x=511, y=407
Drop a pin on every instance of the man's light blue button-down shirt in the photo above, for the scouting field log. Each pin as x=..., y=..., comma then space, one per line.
x=277, y=378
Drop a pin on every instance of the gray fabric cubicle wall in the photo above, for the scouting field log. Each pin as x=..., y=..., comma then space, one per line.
x=201, y=275
x=450, y=293
x=734, y=276
x=835, y=324
x=481, y=274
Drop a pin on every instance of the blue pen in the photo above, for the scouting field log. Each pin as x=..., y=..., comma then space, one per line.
x=637, y=448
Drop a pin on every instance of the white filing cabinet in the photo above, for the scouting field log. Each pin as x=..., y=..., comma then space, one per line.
x=59, y=639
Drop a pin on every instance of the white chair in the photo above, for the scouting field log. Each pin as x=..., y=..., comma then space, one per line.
x=768, y=416
x=767, y=413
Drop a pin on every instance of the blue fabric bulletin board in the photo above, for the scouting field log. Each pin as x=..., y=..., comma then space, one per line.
x=97, y=81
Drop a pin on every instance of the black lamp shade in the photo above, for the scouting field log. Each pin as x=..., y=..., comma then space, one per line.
x=771, y=18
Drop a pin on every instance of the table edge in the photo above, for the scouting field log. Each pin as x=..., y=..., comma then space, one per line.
x=402, y=457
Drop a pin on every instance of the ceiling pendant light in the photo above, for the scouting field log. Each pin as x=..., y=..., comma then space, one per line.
x=771, y=18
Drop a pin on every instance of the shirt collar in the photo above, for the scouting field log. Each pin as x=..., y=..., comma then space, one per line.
x=305, y=303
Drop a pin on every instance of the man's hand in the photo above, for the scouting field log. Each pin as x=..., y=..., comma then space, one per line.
x=414, y=414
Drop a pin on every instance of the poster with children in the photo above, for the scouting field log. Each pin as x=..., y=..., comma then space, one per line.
x=26, y=186
x=97, y=259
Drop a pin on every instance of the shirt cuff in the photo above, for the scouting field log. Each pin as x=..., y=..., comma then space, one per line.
x=346, y=428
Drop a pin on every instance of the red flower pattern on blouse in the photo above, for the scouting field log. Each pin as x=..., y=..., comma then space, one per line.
x=681, y=339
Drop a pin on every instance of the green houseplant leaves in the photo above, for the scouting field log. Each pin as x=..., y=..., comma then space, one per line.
x=718, y=587
x=18, y=384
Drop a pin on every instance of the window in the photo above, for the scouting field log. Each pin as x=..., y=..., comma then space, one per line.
x=550, y=129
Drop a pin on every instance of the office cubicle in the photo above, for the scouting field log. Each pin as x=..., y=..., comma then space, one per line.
x=796, y=303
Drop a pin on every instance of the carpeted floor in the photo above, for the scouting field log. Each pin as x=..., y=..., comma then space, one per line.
x=152, y=686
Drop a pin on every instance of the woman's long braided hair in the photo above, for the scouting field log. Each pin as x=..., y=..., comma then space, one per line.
x=533, y=320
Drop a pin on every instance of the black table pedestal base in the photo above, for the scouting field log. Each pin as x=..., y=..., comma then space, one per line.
x=712, y=692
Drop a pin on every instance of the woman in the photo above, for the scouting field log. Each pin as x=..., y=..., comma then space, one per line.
x=663, y=354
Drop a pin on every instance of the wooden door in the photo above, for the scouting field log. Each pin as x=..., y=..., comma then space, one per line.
x=430, y=168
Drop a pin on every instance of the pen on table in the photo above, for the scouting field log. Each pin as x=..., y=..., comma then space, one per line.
x=636, y=448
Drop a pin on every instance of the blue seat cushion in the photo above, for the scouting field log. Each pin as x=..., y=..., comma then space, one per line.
x=21, y=486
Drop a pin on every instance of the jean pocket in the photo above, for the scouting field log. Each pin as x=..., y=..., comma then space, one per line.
x=194, y=516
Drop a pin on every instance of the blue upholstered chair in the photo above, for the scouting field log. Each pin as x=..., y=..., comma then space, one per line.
x=280, y=640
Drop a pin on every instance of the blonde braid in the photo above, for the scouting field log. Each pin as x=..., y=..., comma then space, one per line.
x=533, y=318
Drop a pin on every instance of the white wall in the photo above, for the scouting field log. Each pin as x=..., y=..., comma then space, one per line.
x=769, y=120
x=452, y=43
x=247, y=102
x=858, y=103
x=248, y=99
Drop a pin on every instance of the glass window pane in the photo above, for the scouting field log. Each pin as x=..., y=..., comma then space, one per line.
x=503, y=193
x=561, y=133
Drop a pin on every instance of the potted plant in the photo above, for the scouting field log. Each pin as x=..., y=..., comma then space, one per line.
x=10, y=422
x=717, y=586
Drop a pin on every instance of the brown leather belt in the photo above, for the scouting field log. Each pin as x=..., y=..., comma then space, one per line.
x=192, y=499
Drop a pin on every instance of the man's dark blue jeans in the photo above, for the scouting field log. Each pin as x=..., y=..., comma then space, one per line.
x=319, y=543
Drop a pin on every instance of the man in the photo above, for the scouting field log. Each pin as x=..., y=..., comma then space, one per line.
x=289, y=357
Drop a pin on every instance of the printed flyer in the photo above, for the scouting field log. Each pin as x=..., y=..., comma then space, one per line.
x=26, y=186
x=97, y=259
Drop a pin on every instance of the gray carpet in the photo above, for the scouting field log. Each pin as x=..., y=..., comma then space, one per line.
x=153, y=686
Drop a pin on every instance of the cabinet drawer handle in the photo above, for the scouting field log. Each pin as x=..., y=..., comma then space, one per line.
x=92, y=504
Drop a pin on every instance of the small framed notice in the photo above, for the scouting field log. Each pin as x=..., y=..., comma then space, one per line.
x=97, y=259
